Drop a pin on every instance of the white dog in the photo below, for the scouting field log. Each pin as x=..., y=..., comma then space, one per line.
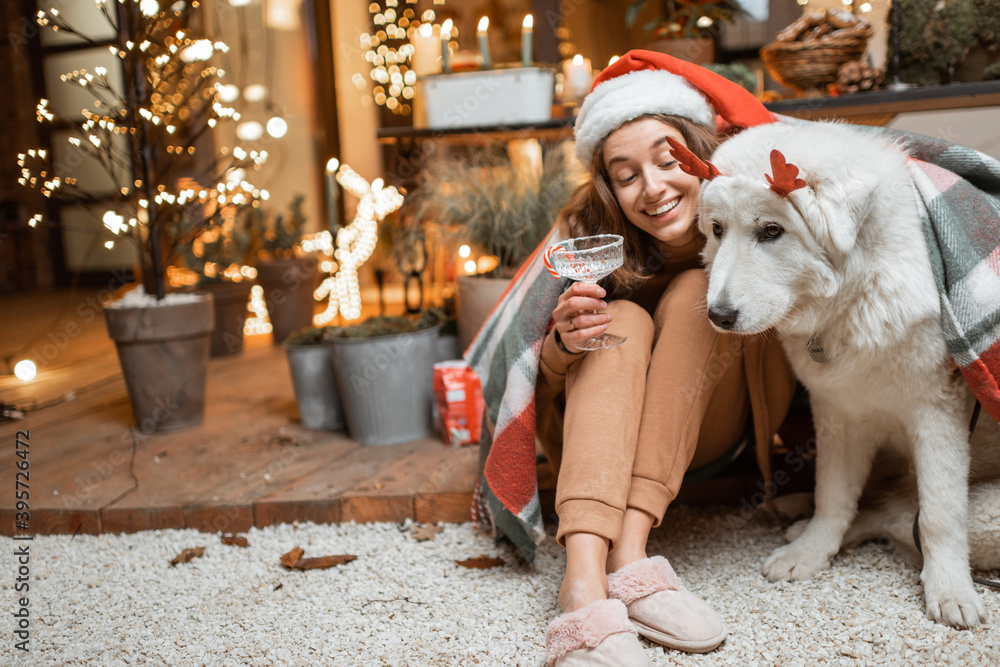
x=889, y=502
x=832, y=257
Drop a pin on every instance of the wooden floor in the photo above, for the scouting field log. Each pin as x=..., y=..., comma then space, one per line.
x=249, y=464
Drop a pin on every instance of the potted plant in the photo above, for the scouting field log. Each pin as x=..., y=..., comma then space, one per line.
x=218, y=258
x=384, y=371
x=147, y=133
x=310, y=362
x=948, y=42
x=501, y=203
x=684, y=28
x=287, y=275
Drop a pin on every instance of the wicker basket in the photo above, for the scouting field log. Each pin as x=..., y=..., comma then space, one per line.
x=812, y=65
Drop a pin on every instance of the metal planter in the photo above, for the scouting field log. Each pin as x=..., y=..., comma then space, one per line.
x=315, y=387
x=386, y=385
x=288, y=286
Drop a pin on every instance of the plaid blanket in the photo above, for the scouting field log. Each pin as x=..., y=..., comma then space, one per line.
x=960, y=190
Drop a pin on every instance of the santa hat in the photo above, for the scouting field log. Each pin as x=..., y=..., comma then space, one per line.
x=647, y=82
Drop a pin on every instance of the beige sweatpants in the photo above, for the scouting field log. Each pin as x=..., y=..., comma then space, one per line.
x=673, y=396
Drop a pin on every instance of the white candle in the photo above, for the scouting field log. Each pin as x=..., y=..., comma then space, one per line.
x=526, y=37
x=426, y=51
x=445, y=40
x=577, y=76
x=484, y=42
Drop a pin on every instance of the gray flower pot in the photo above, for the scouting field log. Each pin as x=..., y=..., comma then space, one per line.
x=476, y=298
x=163, y=351
x=315, y=387
x=230, y=302
x=288, y=286
x=230, y=316
x=447, y=348
x=386, y=385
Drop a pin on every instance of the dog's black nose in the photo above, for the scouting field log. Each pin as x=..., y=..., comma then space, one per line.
x=723, y=316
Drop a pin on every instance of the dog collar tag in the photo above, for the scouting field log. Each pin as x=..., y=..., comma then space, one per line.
x=816, y=350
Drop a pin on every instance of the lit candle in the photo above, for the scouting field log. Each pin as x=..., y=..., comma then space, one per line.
x=445, y=39
x=332, y=195
x=424, y=59
x=484, y=42
x=577, y=77
x=526, y=36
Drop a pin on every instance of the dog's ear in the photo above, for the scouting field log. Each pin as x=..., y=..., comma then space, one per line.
x=839, y=207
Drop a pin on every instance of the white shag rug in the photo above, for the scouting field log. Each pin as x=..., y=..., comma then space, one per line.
x=115, y=600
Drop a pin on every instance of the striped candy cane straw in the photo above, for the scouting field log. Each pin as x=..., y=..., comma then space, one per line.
x=548, y=264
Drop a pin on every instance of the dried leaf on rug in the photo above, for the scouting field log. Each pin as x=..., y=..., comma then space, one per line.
x=188, y=555
x=481, y=562
x=293, y=560
x=235, y=541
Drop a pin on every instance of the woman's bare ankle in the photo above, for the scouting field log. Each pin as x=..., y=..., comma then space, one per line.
x=620, y=557
x=577, y=593
x=631, y=545
x=584, y=581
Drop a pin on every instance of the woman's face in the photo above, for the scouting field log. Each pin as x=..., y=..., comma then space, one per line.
x=655, y=195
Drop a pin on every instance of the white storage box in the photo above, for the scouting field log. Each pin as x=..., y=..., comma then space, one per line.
x=492, y=97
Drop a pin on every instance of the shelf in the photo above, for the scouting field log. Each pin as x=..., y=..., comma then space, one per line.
x=892, y=102
x=870, y=108
x=553, y=130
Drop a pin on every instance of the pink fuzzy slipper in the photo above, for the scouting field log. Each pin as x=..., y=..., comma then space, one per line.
x=599, y=635
x=662, y=610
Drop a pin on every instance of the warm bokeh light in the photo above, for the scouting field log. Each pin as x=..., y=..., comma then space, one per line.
x=249, y=130
x=228, y=92
x=277, y=127
x=25, y=370
x=389, y=51
x=255, y=93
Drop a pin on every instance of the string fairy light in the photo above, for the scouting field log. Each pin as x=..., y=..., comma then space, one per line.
x=390, y=52
x=257, y=322
x=354, y=244
x=181, y=97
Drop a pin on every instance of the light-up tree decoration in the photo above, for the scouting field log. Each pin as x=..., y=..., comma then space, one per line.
x=354, y=244
x=165, y=111
x=390, y=52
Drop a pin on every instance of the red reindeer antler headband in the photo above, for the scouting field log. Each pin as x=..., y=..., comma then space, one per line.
x=784, y=180
x=691, y=163
x=783, y=183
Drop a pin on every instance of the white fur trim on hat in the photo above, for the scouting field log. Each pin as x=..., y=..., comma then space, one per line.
x=626, y=97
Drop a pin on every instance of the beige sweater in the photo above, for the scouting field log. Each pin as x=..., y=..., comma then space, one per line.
x=770, y=380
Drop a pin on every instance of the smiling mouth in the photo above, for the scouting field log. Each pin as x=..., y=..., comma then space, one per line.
x=669, y=206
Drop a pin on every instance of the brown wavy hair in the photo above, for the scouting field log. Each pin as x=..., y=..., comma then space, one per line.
x=594, y=208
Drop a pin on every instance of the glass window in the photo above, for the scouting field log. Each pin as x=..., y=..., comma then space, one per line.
x=66, y=99
x=84, y=236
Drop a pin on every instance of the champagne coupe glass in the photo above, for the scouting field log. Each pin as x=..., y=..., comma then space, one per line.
x=588, y=259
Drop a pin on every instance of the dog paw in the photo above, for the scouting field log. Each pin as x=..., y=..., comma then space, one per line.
x=794, y=562
x=959, y=609
x=793, y=531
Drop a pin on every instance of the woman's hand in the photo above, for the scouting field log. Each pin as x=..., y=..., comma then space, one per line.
x=580, y=314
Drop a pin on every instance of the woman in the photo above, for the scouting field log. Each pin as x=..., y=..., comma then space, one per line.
x=621, y=426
